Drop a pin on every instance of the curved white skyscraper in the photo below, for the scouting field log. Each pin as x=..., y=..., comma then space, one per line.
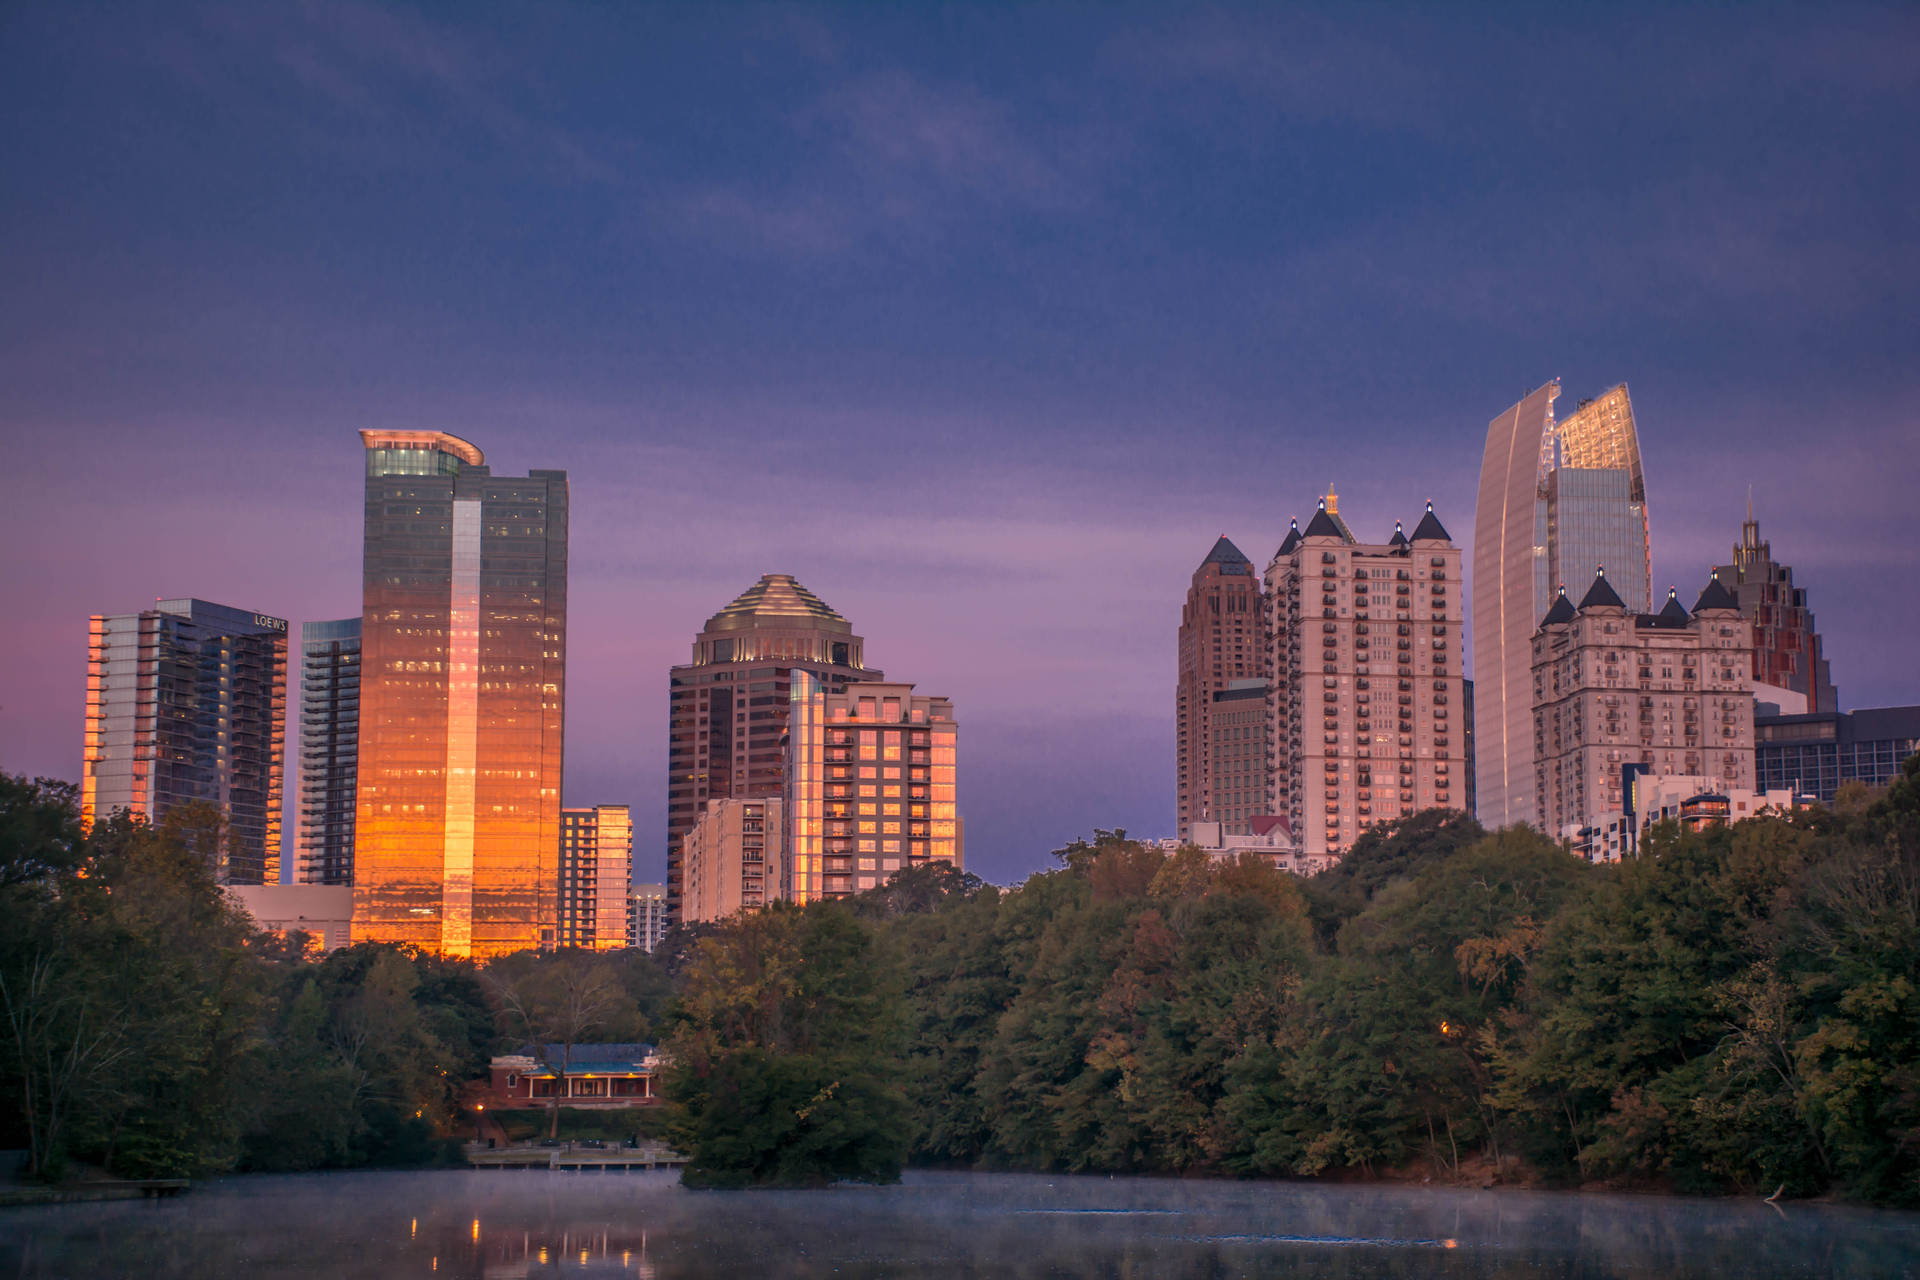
x=1557, y=501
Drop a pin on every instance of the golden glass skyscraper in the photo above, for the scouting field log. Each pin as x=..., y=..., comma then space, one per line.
x=1558, y=501
x=462, y=696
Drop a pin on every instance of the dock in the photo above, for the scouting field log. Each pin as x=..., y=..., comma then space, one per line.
x=101, y=1189
x=575, y=1159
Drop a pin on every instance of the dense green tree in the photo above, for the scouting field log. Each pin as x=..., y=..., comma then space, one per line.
x=786, y=1054
x=1384, y=854
x=128, y=997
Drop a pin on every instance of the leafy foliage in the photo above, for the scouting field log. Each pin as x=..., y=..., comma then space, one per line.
x=1735, y=1010
x=785, y=1055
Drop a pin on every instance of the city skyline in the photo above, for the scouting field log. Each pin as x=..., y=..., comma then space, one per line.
x=1020, y=317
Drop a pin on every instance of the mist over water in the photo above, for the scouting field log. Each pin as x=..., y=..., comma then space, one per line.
x=500, y=1225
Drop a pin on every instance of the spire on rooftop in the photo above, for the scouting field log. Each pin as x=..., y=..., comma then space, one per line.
x=1601, y=594
x=1225, y=553
x=1292, y=539
x=1673, y=610
x=1325, y=524
x=1716, y=596
x=1399, y=538
x=1562, y=610
x=1430, y=527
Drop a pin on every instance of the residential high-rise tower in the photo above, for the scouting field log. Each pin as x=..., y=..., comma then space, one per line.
x=1367, y=709
x=596, y=877
x=187, y=701
x=462, y=697
x=733, y=859
x=727, y=709
x=1557, y=501
x=329, y=750
x=869, y=788
x=1220, y=695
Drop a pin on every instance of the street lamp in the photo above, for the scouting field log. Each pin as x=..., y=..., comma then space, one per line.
x=479, y=1122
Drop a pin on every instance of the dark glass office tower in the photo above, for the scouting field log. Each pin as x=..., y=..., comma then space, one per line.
x=727, y=708
x=187, y=701
x=329, y=750
x=462, y=693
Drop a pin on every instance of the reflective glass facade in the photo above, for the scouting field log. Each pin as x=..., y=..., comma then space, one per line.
x=727, y=711
x=870, y=786
x=1587, y=521
x=187, y=701
x=1813, y=754
x=1557, y=500
x=596, y=876
x=463, y=687
x=329, y=750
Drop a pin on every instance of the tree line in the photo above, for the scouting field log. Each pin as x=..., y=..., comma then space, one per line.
x=148, y=1029
x=1735, y=1010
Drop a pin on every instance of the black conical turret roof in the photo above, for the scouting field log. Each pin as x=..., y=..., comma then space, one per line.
x=1562, y=610
x=1292, y=539
x=1601, y=594
x=1323, y=525
x=1673, y=610
x=1716, y=596
x=1399, y=538
x=1430, y=527
x=1224, y=552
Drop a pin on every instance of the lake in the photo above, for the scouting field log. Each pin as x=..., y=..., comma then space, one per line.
x=499, y=1224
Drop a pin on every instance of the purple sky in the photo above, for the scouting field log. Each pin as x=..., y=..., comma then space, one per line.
x=982, y=323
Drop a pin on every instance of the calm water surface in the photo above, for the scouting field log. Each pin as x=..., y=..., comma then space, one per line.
x=514, y=1224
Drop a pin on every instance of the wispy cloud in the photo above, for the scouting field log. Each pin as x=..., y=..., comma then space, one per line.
x=890, y=157
x=402, y=79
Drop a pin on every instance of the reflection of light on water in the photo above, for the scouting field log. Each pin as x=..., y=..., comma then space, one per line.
x=543, y=1255
x=413, y=1228
x=1374, y=1241
x=476, y=1230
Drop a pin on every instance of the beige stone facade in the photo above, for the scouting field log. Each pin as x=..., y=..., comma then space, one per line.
x=1672, y=691
x=1366, y=715
x=733, y=858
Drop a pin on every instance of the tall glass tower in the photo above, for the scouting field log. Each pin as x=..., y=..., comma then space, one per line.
x=462, y=694
x=329, y=750
x=1558, y=501
x=187, y=701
